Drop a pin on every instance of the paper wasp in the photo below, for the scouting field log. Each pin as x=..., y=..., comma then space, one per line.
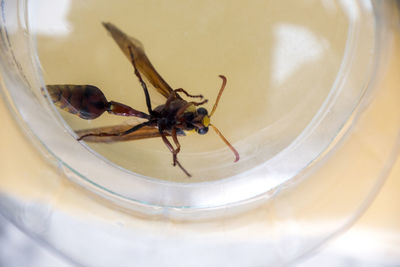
x=171, y=119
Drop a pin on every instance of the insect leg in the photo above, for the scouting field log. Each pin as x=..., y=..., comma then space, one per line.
x=137, y=73
x=174, y=95
x=170, y=147
x=183, y=169
x=200, y=103
x=181, y=90
x=174, y=152
x=178, y=146
x=134, y=128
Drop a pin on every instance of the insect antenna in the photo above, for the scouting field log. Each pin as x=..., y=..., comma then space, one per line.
x=226, y=142
x=219, y=94
x=237, y=157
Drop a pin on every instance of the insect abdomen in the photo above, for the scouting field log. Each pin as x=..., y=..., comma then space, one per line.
x=86, y=101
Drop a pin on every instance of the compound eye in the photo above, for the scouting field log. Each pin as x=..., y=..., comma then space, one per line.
x=203, y=130
x=202, y=111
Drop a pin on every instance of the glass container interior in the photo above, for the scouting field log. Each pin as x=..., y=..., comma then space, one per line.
x=311, y=105
x=281, y=68
x=295, y=78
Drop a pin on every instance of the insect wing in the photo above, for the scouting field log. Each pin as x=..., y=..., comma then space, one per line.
x=143, y=133
x=143, y=64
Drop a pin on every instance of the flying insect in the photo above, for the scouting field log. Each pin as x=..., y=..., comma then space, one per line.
x=174, y=118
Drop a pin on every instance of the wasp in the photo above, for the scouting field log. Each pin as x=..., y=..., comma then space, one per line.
x=174, y=118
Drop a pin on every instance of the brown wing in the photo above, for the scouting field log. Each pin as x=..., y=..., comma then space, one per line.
x=142, y=63
x=142, y=133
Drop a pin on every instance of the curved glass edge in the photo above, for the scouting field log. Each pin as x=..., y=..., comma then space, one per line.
x=387, y=17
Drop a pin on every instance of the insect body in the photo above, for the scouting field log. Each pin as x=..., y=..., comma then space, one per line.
x=173, y=118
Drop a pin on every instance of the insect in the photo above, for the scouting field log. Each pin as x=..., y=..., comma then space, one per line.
x=172, y=119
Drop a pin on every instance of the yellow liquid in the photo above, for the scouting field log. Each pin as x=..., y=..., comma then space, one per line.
x=281, y=59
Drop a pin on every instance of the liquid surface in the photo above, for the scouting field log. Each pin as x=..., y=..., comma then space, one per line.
x=281, y=59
